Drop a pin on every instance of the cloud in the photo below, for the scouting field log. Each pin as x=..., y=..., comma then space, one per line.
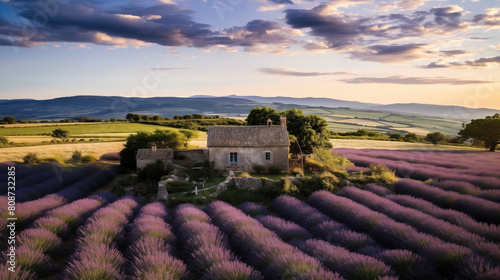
x=453, y=53
x=391, y=53
x=267, y=8
x=403, y=80
x=484, y=62
x=402, y=5
x=490, y=19
x=387, y=38
x=137, y=26
x=292, y=72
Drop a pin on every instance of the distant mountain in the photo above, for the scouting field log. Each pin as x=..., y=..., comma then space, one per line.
x=442, y=111
x=117, y=107
x=309, y=101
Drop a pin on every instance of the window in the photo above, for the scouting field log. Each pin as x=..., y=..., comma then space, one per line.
x=233, y=158
x=267, y=155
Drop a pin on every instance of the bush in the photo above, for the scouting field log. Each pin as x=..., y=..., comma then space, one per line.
x=274, y=170
x=57, y=159
x=76, y=156
x=152, y=172
x=89, y=158
x=244, y=174
x=60, y=133
x=382, y=175
x=31, y=159
x=179, y=186
x=324, y=181
x=297, y=170
x=257, y=168
x=324, y=160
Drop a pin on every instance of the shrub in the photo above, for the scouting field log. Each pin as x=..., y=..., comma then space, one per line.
x=57, y=159
x=77, y=155
x=297, y=170
x=89, y=158
x=324, y=181
x=258, y=168
x=152, y=172
x=382, y=175
x=274, y=170
x=31, y=159
x=244, y=174
x=60, y=133
x=179, y=186
x=324, y=160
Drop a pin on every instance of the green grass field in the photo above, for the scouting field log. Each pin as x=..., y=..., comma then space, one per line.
x=88, y=129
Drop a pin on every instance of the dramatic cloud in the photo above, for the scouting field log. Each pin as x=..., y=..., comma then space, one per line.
x=403, y=80
x=137, y=26
x=477, y=63
x=388, y=38
x=292, y=72
x=369, y=36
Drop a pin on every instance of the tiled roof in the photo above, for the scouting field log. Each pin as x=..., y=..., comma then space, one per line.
x=247, y=136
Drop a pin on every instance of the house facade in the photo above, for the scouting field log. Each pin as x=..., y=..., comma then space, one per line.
x=239, y=148
x=151, y=155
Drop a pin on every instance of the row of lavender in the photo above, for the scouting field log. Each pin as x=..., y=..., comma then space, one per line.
x=451, y=259
x=121, y=240
x=53, y=192
x=469, y=162
x=206, y=248
x=43, y=241
x=479, y=169
x=263, y=249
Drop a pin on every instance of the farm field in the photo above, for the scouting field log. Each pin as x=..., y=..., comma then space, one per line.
x=64, y=150
x=345, y=120
x=90, y=138
x=79, y=129
x=439, y=221
x=395, y=145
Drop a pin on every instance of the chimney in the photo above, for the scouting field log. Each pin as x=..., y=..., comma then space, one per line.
x=269, y=122
x=283, y=121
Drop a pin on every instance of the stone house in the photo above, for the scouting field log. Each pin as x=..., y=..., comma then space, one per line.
x=239, y=148
x=151, y=155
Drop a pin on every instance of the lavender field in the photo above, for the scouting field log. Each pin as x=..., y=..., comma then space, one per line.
x=440, y=220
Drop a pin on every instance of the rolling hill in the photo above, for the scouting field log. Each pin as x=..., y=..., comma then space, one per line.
x=341, y=115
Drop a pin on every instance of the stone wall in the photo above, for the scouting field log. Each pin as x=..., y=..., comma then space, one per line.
x=248, y=157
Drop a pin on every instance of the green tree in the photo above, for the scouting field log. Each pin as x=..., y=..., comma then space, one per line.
x=259, y=116
x=160, y=138
x=9, y=120
x=396, y=136
x=305, y=131
x=60, y=133
x=411, y=137
x=435, y=137
x=486, y=130
x=4, y=141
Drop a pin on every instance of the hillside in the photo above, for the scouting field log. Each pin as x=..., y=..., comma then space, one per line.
x=341, y=115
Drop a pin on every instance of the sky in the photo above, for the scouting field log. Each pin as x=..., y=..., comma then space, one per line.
x=393, y=51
